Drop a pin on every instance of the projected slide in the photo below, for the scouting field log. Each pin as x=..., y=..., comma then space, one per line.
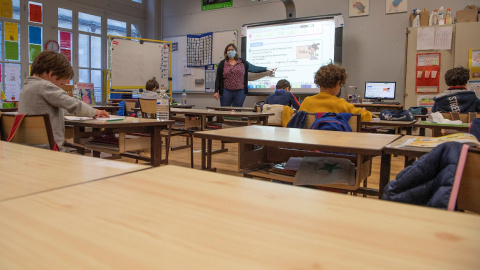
x=296, y=49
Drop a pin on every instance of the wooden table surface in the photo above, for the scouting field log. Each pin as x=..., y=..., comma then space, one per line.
x=9, y=109
x=128, y=124
x=407, y=125
x=344, y=142
x=436, y=128
x=180, y=218
x=26, y=169
x=219, y=108
x=219, y=113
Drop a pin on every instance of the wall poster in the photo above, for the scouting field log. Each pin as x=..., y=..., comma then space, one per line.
x=427, y=73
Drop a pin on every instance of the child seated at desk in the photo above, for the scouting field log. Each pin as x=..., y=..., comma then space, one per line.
x=150, y=90
x=41, y=93
x=457, y=98
x=283, y=96
x=330, y=78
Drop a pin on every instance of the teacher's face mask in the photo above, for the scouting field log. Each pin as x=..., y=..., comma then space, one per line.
x=231, y=54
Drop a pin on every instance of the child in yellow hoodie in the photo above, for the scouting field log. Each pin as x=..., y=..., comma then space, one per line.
x=330, y=78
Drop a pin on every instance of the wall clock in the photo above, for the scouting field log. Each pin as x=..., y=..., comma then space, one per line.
x=52, y=45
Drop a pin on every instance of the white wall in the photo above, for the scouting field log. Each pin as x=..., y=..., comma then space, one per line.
x=373, y=45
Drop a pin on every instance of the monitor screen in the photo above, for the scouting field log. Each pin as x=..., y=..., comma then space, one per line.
x=380, y=90
x=297, y=48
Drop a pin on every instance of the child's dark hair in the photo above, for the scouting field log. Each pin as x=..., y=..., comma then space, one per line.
x=283, y=84
x=330, y=75
x=457, y=76
x=48, y=61
x=151, y=84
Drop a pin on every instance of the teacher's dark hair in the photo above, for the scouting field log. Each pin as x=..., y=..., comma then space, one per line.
x=226, y=49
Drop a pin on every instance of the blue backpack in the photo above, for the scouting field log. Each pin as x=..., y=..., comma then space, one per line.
x=332, y=121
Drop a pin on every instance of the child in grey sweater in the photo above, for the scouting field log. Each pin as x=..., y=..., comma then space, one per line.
x=41, y=93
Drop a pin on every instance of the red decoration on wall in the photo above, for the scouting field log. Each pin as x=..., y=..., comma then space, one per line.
x=35, y=13
x=427, y=73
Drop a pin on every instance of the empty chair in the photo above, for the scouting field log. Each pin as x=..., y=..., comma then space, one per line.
x=466, y=185
x=27, y=129
x=149, y=110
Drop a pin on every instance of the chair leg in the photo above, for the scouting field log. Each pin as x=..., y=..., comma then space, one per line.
x=191, y=150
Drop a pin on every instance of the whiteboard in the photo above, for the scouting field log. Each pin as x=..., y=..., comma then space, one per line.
x=134, y=62
x=184, y=78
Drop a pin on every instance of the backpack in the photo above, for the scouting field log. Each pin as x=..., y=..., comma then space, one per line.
x=333, y=121
x=418, y=110
x=396, y=115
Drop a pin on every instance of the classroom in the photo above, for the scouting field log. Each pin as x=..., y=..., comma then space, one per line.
x=239, y=186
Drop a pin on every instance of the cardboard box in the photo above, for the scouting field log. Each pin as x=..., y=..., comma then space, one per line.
x=424, y=17
x=470, y=14
x=68, y=88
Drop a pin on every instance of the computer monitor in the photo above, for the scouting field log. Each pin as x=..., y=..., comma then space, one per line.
x=380, y=90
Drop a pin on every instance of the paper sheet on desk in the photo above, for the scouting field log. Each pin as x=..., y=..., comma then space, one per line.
x=70, y=117
x=324, y=171
x=438, y=118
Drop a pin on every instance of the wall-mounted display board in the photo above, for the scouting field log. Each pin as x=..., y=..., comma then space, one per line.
x=296, y=47
x=134, y=61
x=192, y=79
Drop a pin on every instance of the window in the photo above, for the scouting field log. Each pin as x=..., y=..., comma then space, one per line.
x=116, y=28
x=64, y=18
x=137, y=1
x=135, y=32
x=90, y=52
x=89, y=23
x=16, y=9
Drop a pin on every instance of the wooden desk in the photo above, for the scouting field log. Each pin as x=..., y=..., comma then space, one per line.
x=184, y=106
x=8, y=109
x=437, y=128
x=111, y=109
x=379, y=107
x=27, y=170
x=128, y=125
x=203, y=114
x=397, y=125
x=366, y=144
x=238, y=109
x=180, y=218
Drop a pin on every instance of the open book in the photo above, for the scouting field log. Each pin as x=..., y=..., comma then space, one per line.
x=432, y=142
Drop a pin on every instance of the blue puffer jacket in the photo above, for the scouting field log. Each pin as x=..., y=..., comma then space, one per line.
x=429, y=180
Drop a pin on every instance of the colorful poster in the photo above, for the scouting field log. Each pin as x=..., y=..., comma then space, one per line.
x=12, y=81
x=34, y=35
x=35, y=13
x=87, y=92
x=216, y=4
x=11, y=31
x=427, y=73
x=6, y=8
x=65, y=40
x=34, y=50
x=474, y=63
x=67, y=53
x=11, y=50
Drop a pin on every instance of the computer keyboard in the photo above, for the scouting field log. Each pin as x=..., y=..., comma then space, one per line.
x=386, y=103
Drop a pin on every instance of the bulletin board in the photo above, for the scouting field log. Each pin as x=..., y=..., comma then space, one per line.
x=427, y=73
x=134, y=61
x=184, y=77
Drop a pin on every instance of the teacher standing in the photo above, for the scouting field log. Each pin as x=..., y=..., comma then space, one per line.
x=231, y=84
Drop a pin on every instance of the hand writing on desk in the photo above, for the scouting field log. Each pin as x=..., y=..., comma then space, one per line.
x=101, y=113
